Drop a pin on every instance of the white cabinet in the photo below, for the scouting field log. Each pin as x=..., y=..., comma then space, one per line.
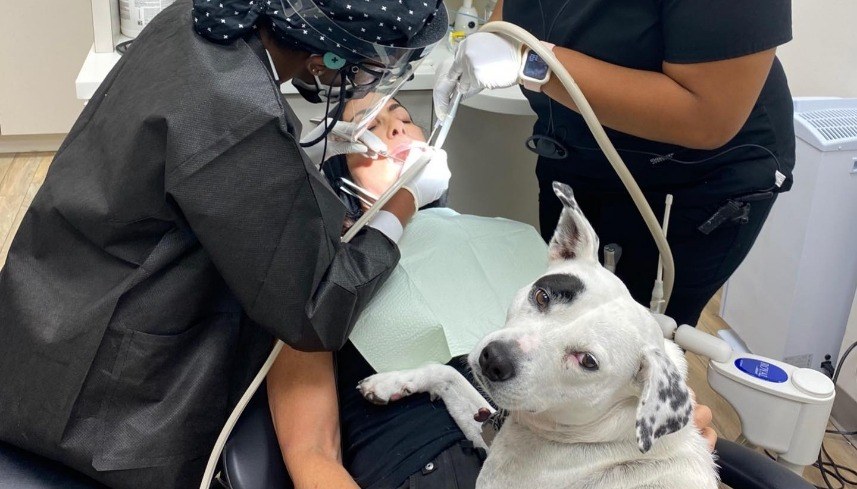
x=790, y=298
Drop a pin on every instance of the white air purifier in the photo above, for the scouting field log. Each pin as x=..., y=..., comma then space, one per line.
x=791, y=298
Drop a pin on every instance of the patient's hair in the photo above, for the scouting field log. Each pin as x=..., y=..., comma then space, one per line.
x=334, y=169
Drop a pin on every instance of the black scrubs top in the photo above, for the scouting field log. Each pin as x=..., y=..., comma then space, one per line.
x=383, y=445
x=642, y=34
x=179, y=229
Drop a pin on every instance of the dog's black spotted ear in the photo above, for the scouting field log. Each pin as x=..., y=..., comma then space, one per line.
x=574, y=238
x=665, y=405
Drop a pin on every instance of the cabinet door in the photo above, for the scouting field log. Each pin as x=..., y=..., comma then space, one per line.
x=41, y=51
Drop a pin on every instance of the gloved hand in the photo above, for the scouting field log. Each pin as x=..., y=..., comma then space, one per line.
x=339, y=142
x=483, y=60
x=430, y=184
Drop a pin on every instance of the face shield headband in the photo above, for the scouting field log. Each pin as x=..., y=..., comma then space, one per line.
x=354, y=80
x=364, y=68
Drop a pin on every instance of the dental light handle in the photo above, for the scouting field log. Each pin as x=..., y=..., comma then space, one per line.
x=603, y=141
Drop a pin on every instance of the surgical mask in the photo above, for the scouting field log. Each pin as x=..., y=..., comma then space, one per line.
x=354, y=80
x=358, y=79
x=317, y=92
x=310, y=92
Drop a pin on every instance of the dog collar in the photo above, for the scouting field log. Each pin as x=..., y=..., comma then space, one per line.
x=491, y=423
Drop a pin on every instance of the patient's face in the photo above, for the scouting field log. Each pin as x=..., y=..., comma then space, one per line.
x=394, y=127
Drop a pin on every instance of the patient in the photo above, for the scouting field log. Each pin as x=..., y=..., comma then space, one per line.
x=395, y=127
x=329, y=435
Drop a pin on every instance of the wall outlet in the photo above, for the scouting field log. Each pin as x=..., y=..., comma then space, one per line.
x=801, y=361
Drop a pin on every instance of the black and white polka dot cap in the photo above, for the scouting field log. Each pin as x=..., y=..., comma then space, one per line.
x=353, y=29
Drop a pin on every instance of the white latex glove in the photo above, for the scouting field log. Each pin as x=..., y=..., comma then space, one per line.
x=339, y=142
x=483, y=60
x=430, y=184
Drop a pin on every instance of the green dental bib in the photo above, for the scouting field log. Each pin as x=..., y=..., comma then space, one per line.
x=453, y=285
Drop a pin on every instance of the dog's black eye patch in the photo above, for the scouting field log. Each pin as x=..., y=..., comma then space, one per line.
x=561, y=288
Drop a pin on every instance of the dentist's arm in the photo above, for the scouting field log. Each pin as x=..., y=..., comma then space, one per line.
x=304, y=407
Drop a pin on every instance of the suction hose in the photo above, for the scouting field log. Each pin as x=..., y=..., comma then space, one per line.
x=604, y=143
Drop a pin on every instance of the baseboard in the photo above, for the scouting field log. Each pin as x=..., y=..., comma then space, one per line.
x=30, y=144
x=845, y=410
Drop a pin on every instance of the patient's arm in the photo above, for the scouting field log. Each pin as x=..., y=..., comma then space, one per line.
x=303, y=402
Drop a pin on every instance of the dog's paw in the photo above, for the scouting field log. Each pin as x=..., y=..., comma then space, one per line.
x=386, y=387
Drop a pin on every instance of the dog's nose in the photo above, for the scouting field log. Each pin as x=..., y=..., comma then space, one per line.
x=497, y=361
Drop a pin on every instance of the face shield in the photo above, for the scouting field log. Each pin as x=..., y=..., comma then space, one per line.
x=367, y=66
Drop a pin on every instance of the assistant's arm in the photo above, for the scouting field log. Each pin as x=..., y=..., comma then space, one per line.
x=695, y=105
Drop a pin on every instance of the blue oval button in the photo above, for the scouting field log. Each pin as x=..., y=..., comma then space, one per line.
x=762, y=370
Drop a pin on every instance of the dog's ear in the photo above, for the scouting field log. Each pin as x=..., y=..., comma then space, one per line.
x=574, y=238
x=665, y=405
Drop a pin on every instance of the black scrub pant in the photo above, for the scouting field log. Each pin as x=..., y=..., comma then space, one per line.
x=457, y=467
x=703, y=262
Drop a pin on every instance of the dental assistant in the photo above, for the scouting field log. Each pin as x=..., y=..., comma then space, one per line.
x=694, y=99
x=181, y=228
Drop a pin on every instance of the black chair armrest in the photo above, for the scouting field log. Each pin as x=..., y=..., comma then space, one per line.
x=21, y=469
x=743, y=468
x=251, y=458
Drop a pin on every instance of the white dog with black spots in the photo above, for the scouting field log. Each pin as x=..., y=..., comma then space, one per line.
x=592, y=394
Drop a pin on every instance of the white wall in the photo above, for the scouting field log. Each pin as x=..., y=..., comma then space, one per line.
x=848, y=377
x=822, y=58
x=42, y=47
x=822, y=61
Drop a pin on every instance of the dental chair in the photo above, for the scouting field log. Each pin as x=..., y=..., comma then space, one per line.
x=24, y=470
x=252, y=460
x=782, y=408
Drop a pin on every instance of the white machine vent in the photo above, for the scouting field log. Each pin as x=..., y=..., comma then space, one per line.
x=835, y=125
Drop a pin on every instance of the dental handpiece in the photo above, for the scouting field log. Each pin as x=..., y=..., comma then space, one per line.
x=441, y=128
